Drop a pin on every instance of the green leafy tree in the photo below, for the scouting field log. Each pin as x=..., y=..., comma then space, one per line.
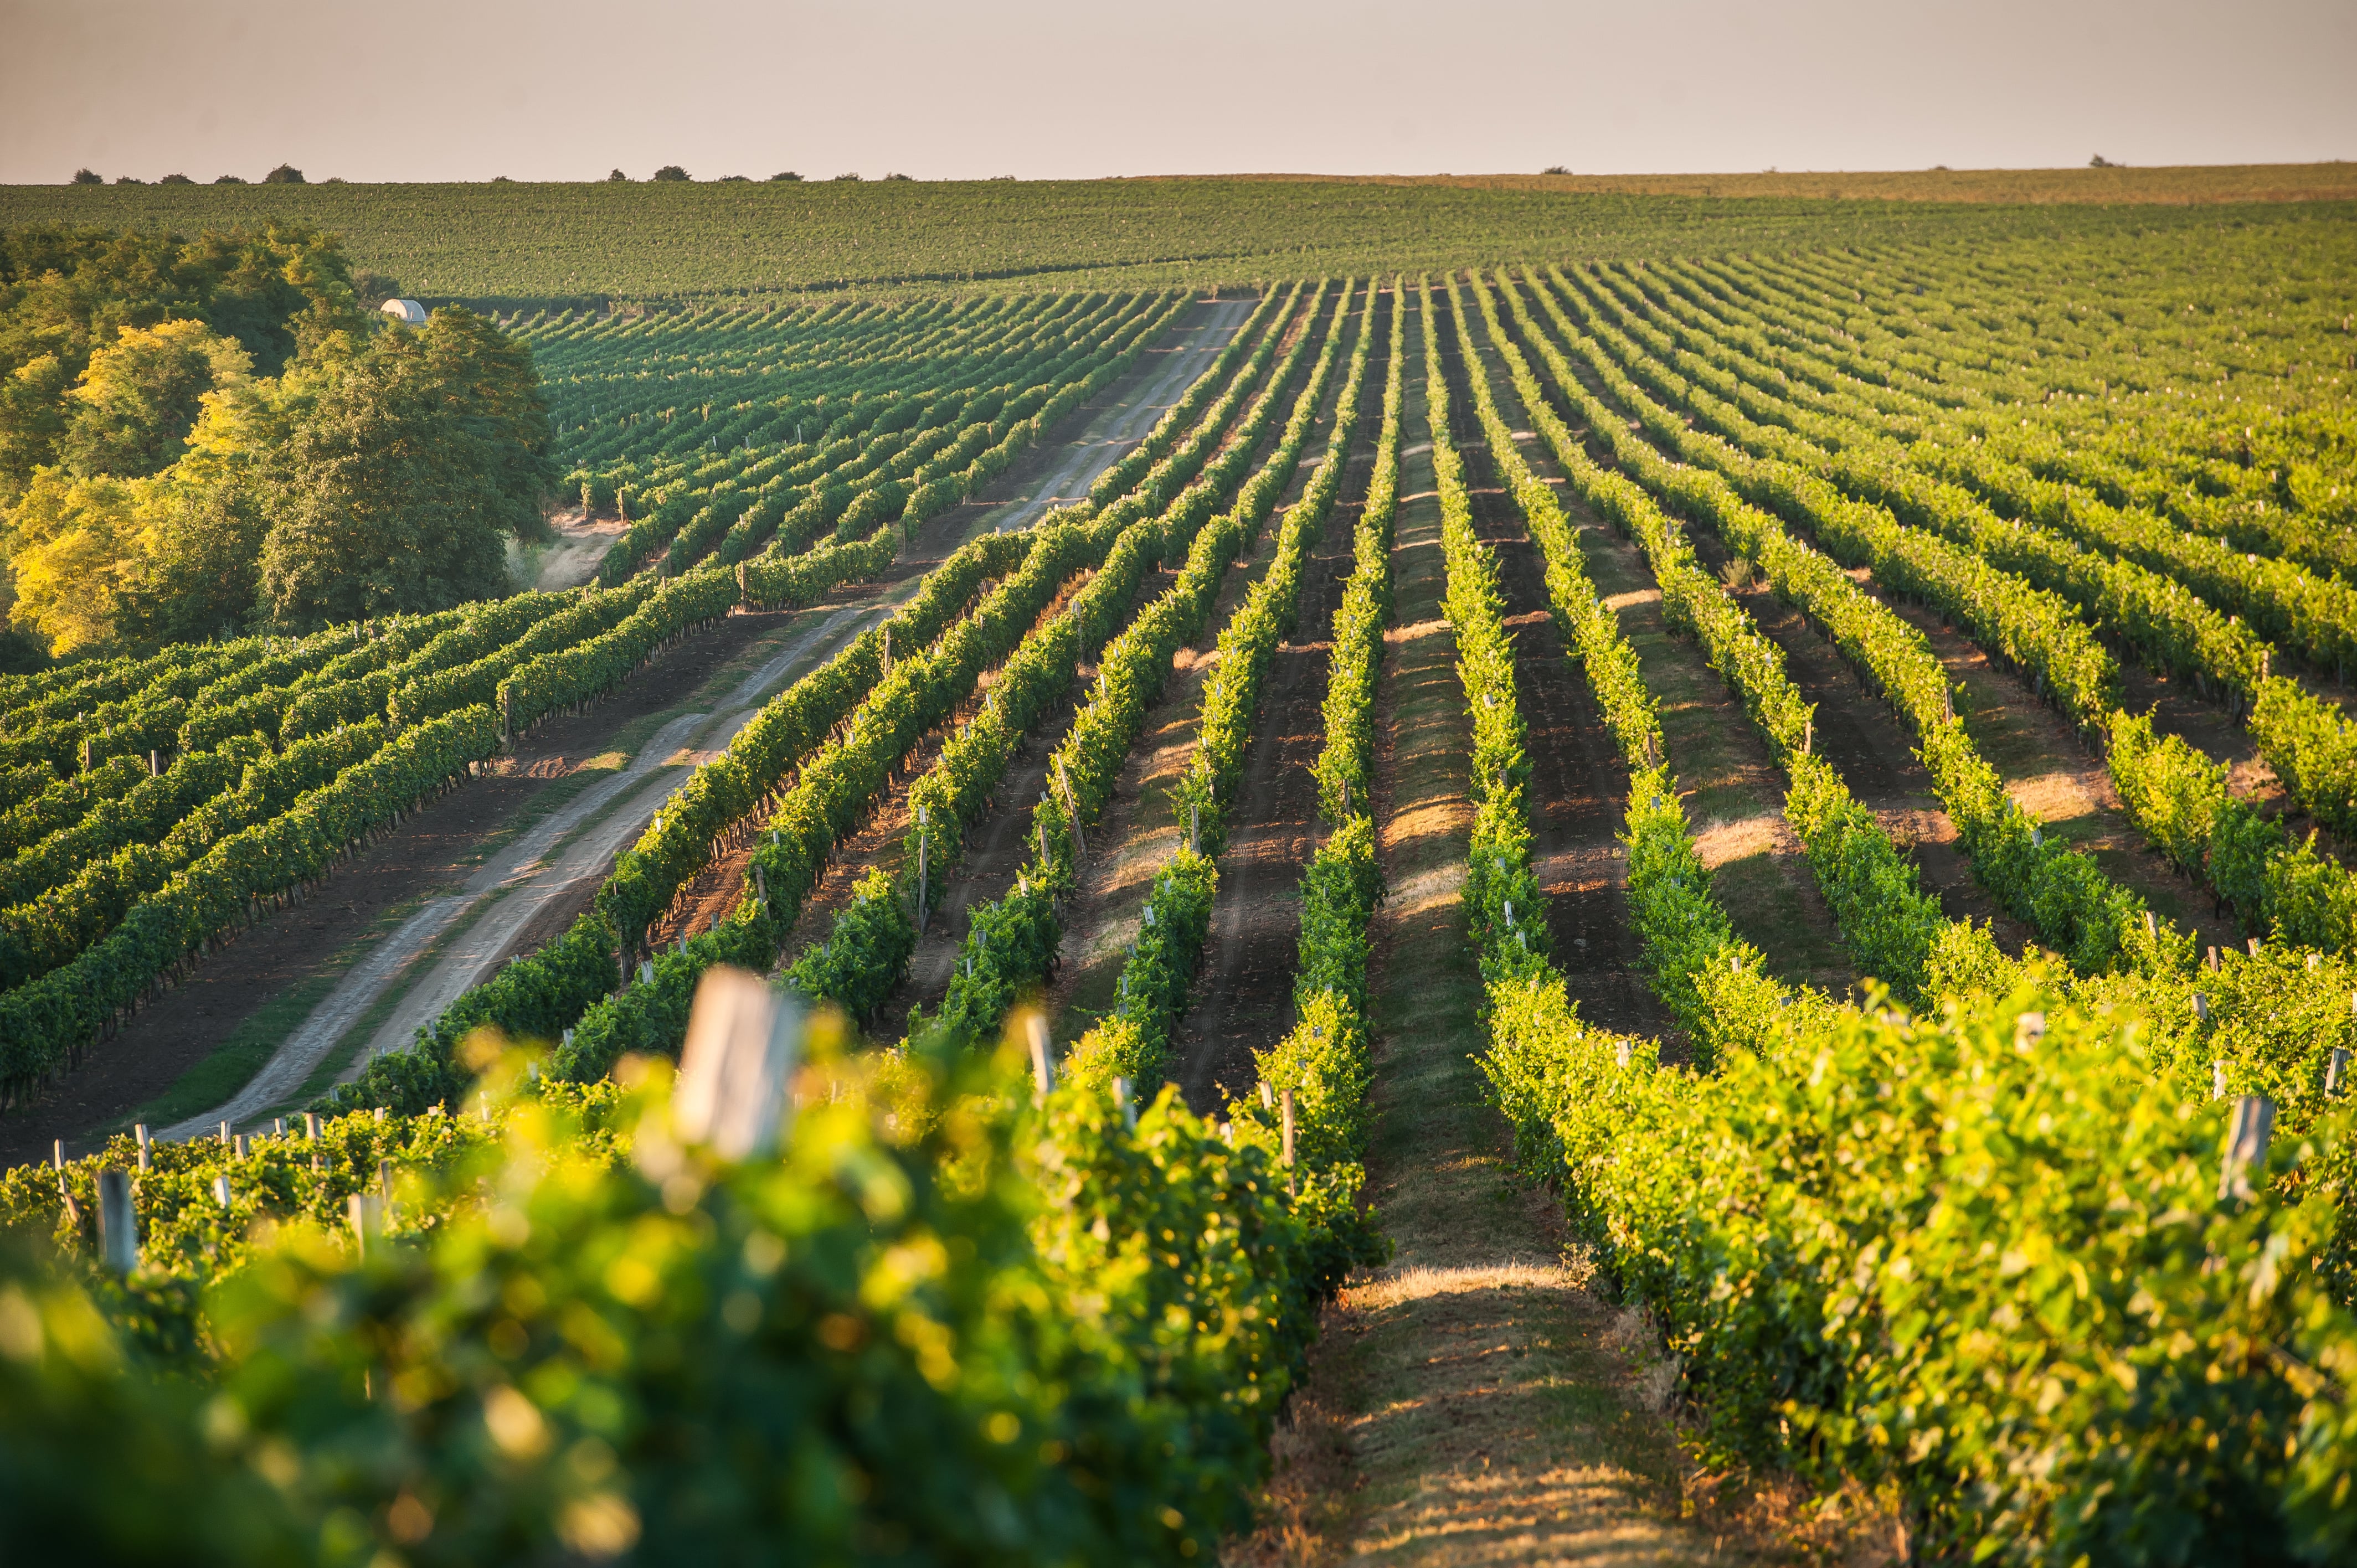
x=618, y=178
x=67, y=292
x=284, y=173
x=32, y=415
x=670, y=172
x=140, y=395
x=87, y=176
x=202, y=572
x=405, y=467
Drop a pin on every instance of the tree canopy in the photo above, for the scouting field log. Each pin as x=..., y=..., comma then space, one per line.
x=405, y=469
x=66, y=293
x=200, y=436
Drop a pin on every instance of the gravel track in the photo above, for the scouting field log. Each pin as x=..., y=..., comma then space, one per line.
x=1129, y=417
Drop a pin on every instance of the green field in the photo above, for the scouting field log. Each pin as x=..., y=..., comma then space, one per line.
x=519, y=242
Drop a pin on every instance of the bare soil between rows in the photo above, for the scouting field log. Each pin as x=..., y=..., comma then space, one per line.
x=1728, y=782
x=1242, y=997
x=1578, y=781
x=1137, y=831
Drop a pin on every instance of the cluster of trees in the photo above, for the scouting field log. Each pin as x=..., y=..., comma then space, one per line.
x=669, y=173
x=284, y=173
x=202, y=436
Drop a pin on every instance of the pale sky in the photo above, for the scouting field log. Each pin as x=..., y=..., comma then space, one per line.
x=465, y=89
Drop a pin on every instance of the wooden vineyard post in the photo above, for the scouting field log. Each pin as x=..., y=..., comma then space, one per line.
x=2246, y=1145
x=1043, y=1068
x=1290, y=1189
x=140, y=1131
x=924, y=842
x=1072, y=810
x=118, y=1228
x=360, y=1210
x=506, y=724
x=743, y=601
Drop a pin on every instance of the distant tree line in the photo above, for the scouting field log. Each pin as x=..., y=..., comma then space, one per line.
x=288, y=174
x=284, y=173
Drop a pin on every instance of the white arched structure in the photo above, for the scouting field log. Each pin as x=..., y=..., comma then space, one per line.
x=408, y=312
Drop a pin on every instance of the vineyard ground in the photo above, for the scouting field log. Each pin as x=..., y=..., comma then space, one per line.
x=1138, y=830
x=1243, y=998
x=880, y=843
x=2048, y=770
x=1874, y=750
x=1465, y=1404
x=2177, y=708
x=1577, y=781
x=1733, y=790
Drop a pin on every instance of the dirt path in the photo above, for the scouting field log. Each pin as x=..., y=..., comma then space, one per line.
x=1057, y=474
x=237, y=1002
x=546, y=875
x=581, y=544
x=1468, y=1403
